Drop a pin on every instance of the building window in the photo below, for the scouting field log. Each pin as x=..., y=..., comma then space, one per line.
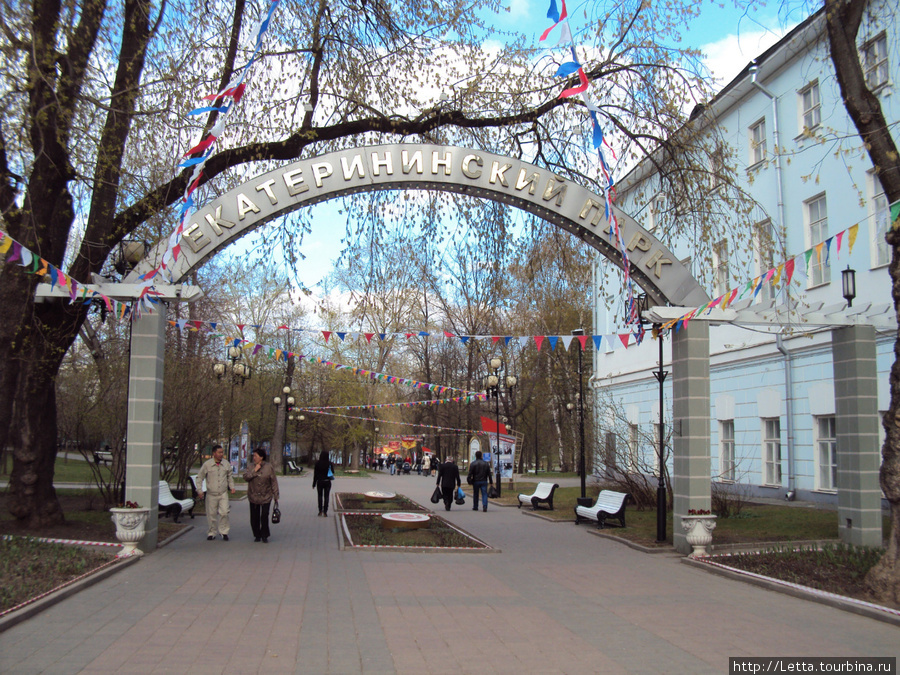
x=875, y=62
x=810, y=108
x=764, y=255
x=609, y=451
x=772, y=451
x=758, y=142
x=826, y=453
x=879, y=215
x=817, y=232
x=720, y=266
x=634, y=445
x=726, y=450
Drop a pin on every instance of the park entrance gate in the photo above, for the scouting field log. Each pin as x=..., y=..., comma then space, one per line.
x=430, y=167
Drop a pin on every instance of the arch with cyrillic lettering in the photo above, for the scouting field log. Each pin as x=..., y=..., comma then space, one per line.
x=431, y=167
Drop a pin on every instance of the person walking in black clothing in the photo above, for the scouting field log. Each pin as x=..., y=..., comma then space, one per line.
x=323, y=475
x=448, y=479
x=479, y=477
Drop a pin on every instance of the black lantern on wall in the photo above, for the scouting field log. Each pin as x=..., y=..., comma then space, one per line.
x=848, y=284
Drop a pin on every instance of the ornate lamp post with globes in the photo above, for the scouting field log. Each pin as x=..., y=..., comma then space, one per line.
x=240, y=373
x=280, y=433
x=492, y=388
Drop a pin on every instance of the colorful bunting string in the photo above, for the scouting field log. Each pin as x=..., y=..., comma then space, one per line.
x=401, y=424
x=201, y=152
x=574, y=67
x=773, y=276
x=405, y=404
x=78, y=292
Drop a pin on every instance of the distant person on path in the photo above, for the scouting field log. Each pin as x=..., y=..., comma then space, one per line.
x=262, y=488
x=323, y=475
x=448, y=479
x=479, y=476
x=219, y=482
x=392, y=464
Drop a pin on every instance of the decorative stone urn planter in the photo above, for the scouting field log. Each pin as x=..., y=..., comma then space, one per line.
x=130, y=529
x=698, y=530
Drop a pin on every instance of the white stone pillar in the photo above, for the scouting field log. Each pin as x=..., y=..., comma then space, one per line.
x=145, y=395
x=856, y=419
x=691, y=483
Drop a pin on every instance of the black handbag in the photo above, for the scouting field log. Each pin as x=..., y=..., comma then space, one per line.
x=436, y=495
x=492, y=492
x=276, y=514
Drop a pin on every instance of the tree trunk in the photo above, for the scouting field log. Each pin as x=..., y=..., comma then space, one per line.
x=843, y=19
x=33, y=360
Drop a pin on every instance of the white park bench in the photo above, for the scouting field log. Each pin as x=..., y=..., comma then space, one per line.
x=542, y=493
x=294, y=468
x=103, y=457
x=609, y=504
x=170, y=506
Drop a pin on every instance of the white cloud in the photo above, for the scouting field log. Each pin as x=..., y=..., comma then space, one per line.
x=727, y=57
x=520, y=9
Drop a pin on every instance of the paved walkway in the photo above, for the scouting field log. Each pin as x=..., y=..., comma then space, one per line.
x=556, y=599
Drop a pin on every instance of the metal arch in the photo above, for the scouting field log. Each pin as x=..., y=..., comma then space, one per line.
x=476, y=173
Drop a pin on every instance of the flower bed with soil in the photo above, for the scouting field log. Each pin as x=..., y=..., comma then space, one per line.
x=834, y=568
x=364, y=530
x=356, y=501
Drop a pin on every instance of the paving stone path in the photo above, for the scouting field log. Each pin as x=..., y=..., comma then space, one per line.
x=555, y=599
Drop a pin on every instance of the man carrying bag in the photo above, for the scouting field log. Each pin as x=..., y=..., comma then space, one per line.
x=479, y=477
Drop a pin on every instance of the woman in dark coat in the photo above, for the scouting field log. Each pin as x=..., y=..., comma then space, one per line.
x=322, y=481
x=448, y=479
x=262, y=488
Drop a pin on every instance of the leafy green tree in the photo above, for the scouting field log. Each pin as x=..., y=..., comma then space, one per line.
x=844, y=18
x=94, y=96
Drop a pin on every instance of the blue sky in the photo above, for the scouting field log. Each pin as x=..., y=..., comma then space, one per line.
x=730, y=37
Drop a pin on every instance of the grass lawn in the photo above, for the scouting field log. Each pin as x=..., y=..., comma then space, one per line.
x=757, y=522
x=75, y=471
x=29, y=568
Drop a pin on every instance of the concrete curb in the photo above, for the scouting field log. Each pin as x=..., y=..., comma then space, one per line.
x=172, y=537
x=837, y=601
x=637, y=547
x=20, y=615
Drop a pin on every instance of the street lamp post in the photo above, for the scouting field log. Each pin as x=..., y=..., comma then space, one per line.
x=289, y=405
x=374, y=446
x=643, y=301
x=240, y=373
x=298, y=422
x=492, y=387
x=581, y=471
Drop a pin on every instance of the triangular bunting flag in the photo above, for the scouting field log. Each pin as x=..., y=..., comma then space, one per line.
x=852, y=232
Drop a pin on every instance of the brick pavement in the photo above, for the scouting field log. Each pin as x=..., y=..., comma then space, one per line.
x=554, y=600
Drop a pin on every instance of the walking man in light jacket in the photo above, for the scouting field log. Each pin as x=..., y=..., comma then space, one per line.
x=219, y=482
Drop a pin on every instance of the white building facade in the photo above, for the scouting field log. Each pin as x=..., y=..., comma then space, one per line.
x=797, y=153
